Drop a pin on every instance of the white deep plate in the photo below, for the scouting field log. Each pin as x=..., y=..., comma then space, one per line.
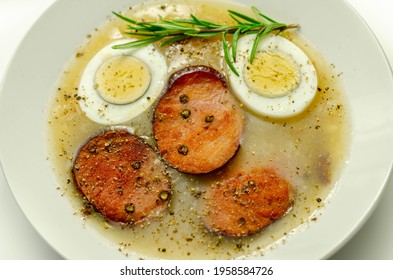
x=332, y=26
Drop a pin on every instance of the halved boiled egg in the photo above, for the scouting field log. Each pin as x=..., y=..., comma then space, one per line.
x=281, y=81
x=119, y=84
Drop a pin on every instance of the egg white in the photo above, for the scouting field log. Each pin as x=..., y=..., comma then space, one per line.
x=101, y=111
x=290, y=104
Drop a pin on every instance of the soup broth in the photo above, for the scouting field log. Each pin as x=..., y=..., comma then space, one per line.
x=308, y=150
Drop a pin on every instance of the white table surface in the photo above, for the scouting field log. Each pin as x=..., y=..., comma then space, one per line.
x=19, y=239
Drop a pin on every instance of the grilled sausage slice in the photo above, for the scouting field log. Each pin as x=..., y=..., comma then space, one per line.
x=122, y=177
x=197, y=123
x=246, y=203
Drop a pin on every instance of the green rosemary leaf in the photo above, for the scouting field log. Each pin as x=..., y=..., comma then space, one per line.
x=267, y=18
x=185, y=21
x=125, y=18
x=175, y=26
x=227, y=55
x=247, y=18
x=236, y=19
x=235, y=39
x=274, y=27
x=137, y=33
x=204, y=23
x=252, y=28
x=256, y=43
x=258, y=13
x=147, y=27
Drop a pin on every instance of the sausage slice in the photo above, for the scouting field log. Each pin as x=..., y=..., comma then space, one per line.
x=197, y=123
x=122, y=177
x=246, y=203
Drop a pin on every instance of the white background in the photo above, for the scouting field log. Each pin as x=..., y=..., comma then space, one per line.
x=18, y=238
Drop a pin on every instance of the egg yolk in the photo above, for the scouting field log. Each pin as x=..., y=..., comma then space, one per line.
x=122, y=79
x=272, y=74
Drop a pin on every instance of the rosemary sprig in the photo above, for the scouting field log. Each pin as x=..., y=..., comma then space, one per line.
x=171, y=31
